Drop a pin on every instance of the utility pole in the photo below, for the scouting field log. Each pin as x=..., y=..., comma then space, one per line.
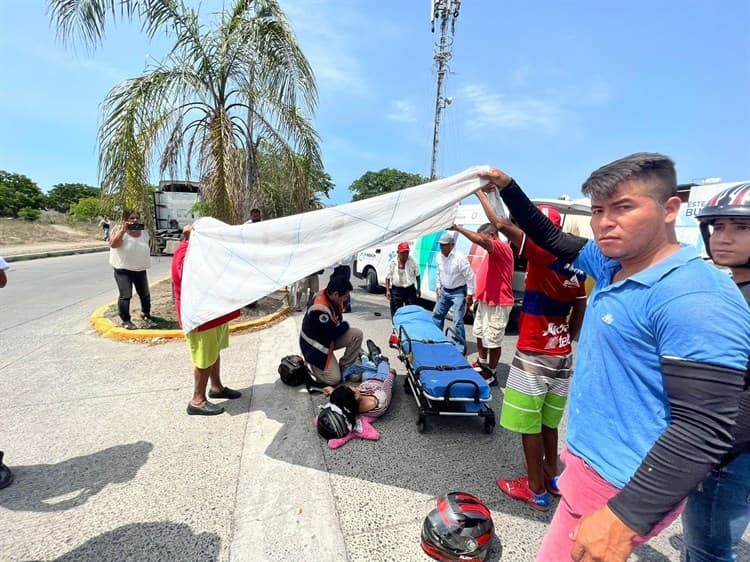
x=446, y=12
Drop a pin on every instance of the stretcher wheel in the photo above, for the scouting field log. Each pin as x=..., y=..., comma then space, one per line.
x=489, y=425
x=422, y=423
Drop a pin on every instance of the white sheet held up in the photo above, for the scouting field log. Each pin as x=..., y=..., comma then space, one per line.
x=228, y=267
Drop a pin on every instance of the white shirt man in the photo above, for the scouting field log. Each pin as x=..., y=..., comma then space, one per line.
x=455, y=286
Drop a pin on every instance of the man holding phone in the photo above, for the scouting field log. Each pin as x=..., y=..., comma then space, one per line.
x=130, y=256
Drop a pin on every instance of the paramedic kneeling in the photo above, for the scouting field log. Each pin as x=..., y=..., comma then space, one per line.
x=324, y=330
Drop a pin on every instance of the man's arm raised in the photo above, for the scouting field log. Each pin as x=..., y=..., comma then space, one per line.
x=510, y=230
x=473, y=237
x=531, y=220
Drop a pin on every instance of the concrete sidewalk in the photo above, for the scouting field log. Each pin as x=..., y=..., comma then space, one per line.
x=109, y=466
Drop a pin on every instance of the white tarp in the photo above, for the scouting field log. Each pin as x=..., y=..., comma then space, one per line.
x=228, y=267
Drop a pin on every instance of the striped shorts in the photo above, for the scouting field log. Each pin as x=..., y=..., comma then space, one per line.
x=536, y=392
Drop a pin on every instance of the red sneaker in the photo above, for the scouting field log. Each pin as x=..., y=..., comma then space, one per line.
x=518, y=489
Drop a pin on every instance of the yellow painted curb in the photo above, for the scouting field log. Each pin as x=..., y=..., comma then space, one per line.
x=108, y=330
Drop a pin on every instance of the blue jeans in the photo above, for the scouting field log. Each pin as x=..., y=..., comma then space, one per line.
x=718, y=513
x=456, y=299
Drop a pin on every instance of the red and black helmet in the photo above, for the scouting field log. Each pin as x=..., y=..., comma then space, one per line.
x=459, y=529
x=733, y=202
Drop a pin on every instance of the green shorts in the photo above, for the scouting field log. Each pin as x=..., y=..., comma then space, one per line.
x=536, y=392
x=205, y=346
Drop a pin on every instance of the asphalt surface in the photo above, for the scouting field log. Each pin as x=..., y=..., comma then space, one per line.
x=109, y=467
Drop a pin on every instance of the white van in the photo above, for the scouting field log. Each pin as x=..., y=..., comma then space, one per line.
x=372, y=264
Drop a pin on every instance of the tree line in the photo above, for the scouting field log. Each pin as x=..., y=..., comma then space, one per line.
x=21, y=197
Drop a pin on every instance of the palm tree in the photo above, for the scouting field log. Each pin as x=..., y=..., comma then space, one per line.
x=207, y=105
x=289, y=185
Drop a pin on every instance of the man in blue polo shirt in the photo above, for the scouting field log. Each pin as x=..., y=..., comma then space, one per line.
x=661, y=361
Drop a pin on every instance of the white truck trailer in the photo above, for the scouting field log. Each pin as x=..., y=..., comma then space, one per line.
x=174, y=208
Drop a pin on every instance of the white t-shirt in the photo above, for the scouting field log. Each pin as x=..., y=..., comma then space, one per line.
x=454, y=271
x=402, y=277
x=134, y=254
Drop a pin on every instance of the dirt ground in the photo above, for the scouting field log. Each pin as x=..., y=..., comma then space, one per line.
x=163, y=312
x=50, y=228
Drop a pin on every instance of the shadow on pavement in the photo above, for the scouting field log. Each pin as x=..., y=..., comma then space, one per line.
x=70, y=483
x=454, y=454
x=143, y=542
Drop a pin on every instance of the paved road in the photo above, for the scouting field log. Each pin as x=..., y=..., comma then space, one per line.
x=109, y=466
x=47, y=289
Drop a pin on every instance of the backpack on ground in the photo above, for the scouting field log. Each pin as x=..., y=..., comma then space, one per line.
x=294, y=372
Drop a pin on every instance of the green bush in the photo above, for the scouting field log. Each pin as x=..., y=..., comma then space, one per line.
x=87, y=209
x=29, y=214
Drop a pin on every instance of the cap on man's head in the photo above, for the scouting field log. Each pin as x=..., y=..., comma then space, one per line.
x=446, y=238
x=403, y=247
x=552, y=214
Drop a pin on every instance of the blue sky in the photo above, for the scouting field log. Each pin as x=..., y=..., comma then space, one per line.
x=548, y=91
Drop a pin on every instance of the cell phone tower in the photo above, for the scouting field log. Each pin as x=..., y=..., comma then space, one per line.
x=446, y=12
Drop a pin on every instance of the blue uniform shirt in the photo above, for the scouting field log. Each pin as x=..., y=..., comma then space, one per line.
x=680, y=307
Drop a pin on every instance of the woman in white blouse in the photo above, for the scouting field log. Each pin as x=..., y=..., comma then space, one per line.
x=130, y=256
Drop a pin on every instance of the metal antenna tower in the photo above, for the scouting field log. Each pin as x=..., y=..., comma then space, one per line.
x=446, y=12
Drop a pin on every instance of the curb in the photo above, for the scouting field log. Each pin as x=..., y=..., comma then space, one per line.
x=108, y=330
x=56, y=253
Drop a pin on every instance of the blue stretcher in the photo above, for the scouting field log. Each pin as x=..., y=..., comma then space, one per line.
x=439, y=376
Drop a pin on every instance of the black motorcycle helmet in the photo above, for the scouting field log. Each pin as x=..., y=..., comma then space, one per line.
x=459, y=529
x=732, y=202
x=332, y=424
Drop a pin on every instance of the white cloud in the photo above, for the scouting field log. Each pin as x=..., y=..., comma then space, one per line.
x=490, y=109
x=404, y=111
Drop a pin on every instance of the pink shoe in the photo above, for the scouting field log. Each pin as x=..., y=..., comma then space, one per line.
x=518, y=489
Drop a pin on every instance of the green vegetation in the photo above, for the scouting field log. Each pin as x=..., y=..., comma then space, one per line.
x=384, y=181
x=18, y=192
x=87, y=209
x=63, y=195
x=289, y=184
x=207, y=105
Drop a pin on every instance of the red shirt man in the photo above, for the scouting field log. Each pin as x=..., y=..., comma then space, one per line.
x=205, y=343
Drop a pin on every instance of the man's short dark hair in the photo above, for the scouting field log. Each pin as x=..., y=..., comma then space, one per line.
x=338, y=285
x=487, y=227
x=652, y=168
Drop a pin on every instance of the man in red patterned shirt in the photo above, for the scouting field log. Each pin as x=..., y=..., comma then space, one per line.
x=539, y=378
